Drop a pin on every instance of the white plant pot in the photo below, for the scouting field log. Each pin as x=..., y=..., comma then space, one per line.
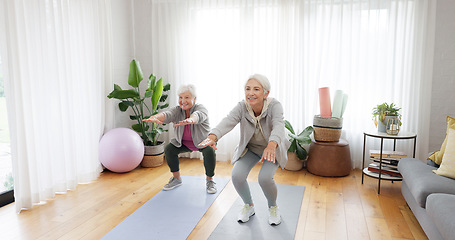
x=294, y=163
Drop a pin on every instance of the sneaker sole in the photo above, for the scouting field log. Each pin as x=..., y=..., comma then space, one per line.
x=275, y=224
x=241, y=221
x=170, y=188
x=211, y=192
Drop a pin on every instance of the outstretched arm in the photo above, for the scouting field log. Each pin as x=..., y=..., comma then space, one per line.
x=225, y=126
x=209, y=141
x=191, y=120
x=157, y=118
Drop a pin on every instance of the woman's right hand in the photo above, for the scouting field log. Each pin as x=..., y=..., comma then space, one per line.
x=209, y=141
x=153, y=119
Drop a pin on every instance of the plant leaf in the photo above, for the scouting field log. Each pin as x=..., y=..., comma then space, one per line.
x=301, y=138
x=305, y=141
x=167, y=87
x=301, y=152
x=163, y=97
x=288, y=126
x=163, y=106
x=122, y=106
x=304, y=136
x=149, y=135
x=148, y=93
x=151, y=82
x=157, y=91
x=307, y=131
x=135, y=75
x=137, y=127
x=129, y=103
x=117, y=87
x=292, y=136
x=123, y=94
x=293, y=146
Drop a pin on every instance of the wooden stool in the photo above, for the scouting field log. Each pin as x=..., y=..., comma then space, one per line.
x=329, y=159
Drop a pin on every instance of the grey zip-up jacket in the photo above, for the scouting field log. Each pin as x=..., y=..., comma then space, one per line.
x=272, y=123
x=199, y=130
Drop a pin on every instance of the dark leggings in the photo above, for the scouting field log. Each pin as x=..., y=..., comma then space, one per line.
x=171, y=153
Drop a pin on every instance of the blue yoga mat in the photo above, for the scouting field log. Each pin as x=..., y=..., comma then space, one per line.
x=169, y=214
x=289, y=202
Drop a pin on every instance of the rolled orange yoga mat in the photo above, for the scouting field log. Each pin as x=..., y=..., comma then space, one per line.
x=324, y=102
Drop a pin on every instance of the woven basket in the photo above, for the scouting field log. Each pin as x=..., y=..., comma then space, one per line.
x=152, y=161
x=327, y=129
x=326, y=134
x=153, y=155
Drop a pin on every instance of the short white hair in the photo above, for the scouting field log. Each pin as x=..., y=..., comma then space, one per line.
x=187, y=88
x=262, y=80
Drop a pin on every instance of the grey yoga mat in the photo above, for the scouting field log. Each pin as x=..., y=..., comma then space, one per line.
x=289, y=201
x=169, y=214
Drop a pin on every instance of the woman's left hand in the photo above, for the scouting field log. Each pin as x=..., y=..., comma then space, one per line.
x=269, y=152
x=191, y=120
x=209, y=141
x=185, y=122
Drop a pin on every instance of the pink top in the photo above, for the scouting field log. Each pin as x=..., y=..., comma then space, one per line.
x=187, y=139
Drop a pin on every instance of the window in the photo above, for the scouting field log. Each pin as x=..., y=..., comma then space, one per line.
x=6, y=176
x=371, y=50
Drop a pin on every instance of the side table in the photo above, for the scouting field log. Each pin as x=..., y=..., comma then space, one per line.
x=400, y=136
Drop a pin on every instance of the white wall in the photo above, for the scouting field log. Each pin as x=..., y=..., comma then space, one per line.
x=123, y=50
x=443, y=87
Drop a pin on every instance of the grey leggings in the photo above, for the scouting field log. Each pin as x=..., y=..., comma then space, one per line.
x=240, y=173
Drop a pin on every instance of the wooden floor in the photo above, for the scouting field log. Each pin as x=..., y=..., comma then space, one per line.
x=332, y=208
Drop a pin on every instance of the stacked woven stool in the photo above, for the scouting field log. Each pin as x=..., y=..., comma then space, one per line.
x=329, y=156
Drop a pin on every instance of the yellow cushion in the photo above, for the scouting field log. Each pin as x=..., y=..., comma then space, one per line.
x=437, y=156
x=447, y=168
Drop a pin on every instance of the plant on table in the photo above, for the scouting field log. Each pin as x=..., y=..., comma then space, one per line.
x=383, y=110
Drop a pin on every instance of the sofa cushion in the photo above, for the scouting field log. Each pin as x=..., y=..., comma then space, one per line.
x=447, y=168
x=441, y=208
x=437, y=156
x=422, y=181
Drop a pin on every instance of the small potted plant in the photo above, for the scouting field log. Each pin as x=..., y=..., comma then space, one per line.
x=383, y=112
x=131, y=98
x=296, y=152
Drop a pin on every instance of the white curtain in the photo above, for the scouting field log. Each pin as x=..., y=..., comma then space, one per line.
x=374, y=50
x=57, y=63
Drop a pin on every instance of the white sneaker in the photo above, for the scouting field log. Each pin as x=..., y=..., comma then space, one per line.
x=274, y=216
x=246, y=212
x=211, y=186
x=173, y=183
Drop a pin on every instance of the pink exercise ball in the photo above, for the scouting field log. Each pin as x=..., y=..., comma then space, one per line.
x=121, y=150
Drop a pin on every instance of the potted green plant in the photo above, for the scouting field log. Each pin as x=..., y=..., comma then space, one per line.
x=297, y=154
x=383, y=112
x=154, y=96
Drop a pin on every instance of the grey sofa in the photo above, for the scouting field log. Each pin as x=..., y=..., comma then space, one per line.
x=431, y=198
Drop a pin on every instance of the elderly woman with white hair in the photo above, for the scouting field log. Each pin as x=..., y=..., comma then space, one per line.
x=191, y=127
x=262, y=139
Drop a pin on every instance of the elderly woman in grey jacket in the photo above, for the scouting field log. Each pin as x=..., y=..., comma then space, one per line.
x=191, y=127
x=262, y=139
